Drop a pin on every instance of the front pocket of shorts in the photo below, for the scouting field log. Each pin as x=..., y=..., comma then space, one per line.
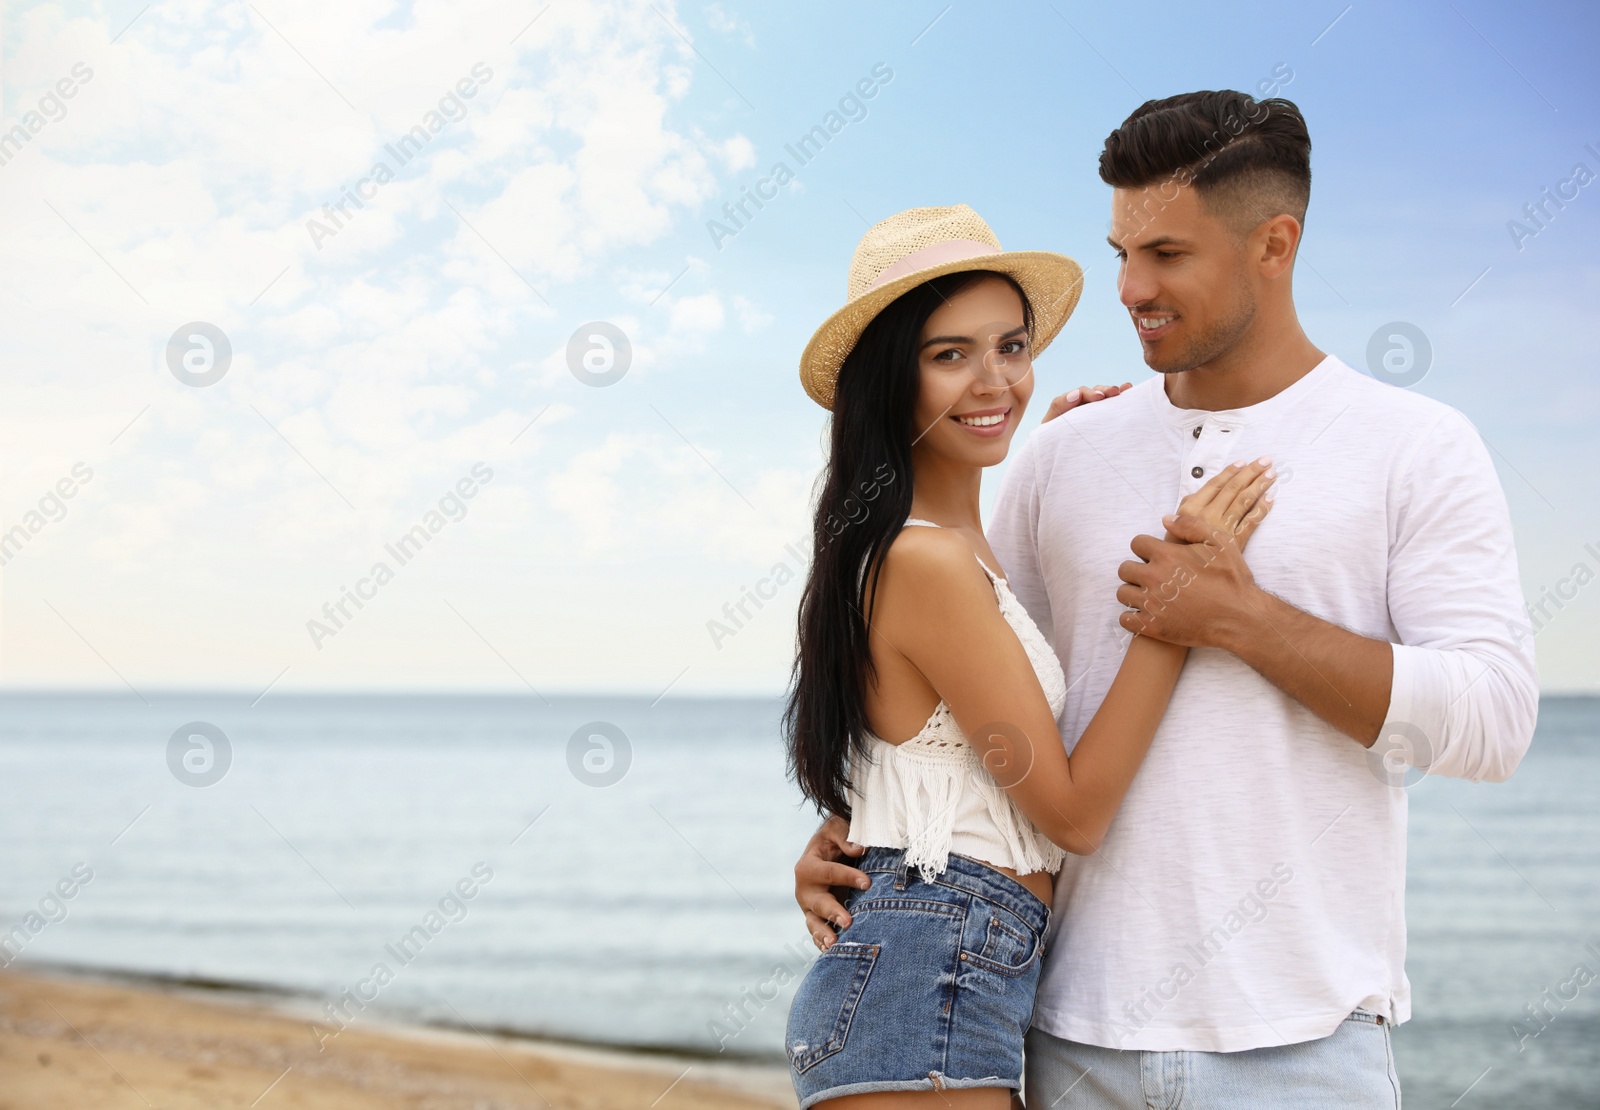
x=829, y=996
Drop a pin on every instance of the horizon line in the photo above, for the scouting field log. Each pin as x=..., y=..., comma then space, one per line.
x=7, y=689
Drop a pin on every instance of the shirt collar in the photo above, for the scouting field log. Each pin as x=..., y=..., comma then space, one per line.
x=1274, y=406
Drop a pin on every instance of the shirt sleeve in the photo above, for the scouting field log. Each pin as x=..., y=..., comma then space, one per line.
x=1465, y=694
x=1013, y=533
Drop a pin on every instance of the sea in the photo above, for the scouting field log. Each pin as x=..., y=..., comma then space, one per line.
x=618, y=871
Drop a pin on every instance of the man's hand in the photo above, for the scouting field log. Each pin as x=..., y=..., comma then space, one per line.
x=1194, y=592
x=1200, y=592
x=817, y=873
x=1190, y=586
x=1083, y=395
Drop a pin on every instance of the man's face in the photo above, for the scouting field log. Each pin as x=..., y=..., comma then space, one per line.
x=1185, y=275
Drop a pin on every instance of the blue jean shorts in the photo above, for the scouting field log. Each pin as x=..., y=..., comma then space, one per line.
x=930, y=988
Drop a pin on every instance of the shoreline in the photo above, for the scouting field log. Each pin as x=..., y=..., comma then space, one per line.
x=89, y=1037
x=307, y=1004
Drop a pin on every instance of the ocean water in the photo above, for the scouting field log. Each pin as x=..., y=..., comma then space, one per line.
x=604, y=869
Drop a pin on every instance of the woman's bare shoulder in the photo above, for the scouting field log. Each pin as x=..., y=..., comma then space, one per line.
x=927, y=571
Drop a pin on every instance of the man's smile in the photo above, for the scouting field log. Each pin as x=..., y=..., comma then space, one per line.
x=1153, y=325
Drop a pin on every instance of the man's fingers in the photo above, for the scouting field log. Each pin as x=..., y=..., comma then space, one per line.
x=1136, y=573
x=821, y=872
x=816, y=874
x=1133, y=597
x=824, y=905
x=1185, y=528
x=822, y=934
x=834, y=833
x=1134, y=621
x=831, y=841
x=1146, y=548
x=837, y=830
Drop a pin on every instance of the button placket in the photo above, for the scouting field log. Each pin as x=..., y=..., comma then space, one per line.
x=1208, y=453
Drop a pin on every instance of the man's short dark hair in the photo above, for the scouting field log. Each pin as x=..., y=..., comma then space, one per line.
x=1248, y=159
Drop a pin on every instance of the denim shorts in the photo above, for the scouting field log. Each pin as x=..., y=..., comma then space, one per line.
x=930, y=988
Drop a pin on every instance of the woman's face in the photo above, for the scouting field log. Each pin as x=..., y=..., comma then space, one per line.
x=976, y=373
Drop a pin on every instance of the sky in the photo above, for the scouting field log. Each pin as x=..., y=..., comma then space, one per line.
x=534, y=340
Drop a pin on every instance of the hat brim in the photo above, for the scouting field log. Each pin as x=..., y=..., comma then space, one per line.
x=1052, y=283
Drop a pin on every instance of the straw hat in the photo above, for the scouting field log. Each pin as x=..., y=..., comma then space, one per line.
x=909, y=248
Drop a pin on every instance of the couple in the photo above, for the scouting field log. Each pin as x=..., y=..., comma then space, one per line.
x=1140, y=806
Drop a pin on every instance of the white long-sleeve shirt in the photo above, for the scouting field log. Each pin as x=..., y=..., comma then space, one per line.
x=1250, y=890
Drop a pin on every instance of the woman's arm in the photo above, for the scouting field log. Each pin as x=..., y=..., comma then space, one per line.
x=938, y=610
x=1108, y=754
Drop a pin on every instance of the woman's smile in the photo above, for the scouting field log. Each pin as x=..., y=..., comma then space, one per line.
x=985, y=422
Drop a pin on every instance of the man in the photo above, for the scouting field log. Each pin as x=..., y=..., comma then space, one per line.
x=1239, y=939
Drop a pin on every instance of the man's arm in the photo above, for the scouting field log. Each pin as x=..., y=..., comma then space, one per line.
x=1464, y=676
x=1341, y=676
x=1459, y=692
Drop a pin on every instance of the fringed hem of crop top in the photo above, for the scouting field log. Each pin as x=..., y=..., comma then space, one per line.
x=931, y=795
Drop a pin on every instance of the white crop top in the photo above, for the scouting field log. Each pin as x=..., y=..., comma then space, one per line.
x=932, y=796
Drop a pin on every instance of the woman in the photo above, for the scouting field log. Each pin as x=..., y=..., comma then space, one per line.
x=925, y=699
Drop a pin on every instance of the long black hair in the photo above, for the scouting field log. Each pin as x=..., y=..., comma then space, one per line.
x=864, y=502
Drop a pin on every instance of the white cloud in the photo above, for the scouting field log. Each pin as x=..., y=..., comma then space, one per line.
x=738, y=153
x=751, y=318
x=178, y=186
x=726, y=23
x=655, y=488
x=697, y=315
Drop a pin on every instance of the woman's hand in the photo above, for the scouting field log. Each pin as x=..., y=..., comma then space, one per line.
x=1202, y=560
x=1083, y=395
x=1232, y=503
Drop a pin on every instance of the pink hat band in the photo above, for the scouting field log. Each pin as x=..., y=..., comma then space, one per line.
x=950, y=250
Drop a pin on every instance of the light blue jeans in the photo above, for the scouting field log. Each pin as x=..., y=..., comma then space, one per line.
x=1350, y=1069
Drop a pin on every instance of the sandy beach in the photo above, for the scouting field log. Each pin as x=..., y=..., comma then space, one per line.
x=76, y=1043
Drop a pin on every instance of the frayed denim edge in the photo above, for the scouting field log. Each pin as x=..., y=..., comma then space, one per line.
x=946, y=1083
